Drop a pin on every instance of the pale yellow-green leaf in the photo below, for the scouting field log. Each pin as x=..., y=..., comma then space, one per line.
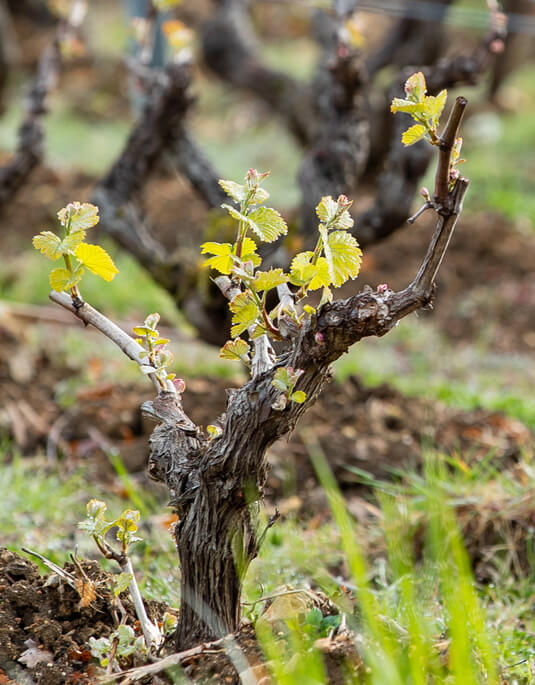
x=222, y=259
x=71, y=242
x=415, y=87
x=413, y=134
x=281, y=379
x=298, y=396
x=267, y=223
x=456, y=151
x=321, y=277
x=235, y=350
x=434, y=105
x=49, y=244
x=400, y=105
x=345, y=257
x=97, y=260
x=234, y=213
x=245, y=311
x=301, y=270
x=260, y=195
x=237, y=191
x=256, y=331
x=326, y=297
x=266, y=280
x=62, y=279
x=326, y=209
x=214, y=431
x=343, y=221
x=82, y=215
x=248, y=252
x=332, y=215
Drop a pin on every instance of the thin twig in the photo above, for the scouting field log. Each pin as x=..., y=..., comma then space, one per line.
x=151, y=632
x=423, y=208
x=266, y=598
x=51, y=566
x=271, y=522
x=134, y=674
x=90, y=315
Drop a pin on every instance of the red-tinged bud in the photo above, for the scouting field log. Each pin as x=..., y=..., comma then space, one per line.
x=319, y=338
x=344, y=202
x=383, y=288
x=180, y=385
x=454, y=174
x=342, y=51
x=424, y=192
x=497, y=46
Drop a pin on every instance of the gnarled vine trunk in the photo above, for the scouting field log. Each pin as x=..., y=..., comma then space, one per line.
x=215, y=483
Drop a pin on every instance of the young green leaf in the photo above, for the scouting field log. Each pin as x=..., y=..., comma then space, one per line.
x=415, y=87
x=121, y=583
x=302, y=271
x=142, y=330
x=81, y=216
x=97, y=260
x=96, y=507
x=281, y=379
x=434, y=105
x=298, y=396
x=235, y=350
x=71, y=241
x=327, y=209
x=343, y=256
x=152, y=320
x=266, y=280
x=245, y=312
x=214, y=431
x=335, y=214
x=222, y=259
x=456, y=152
x=248, y=252
x=237, y=191
x=313, y=276
x=62, y=279
x=49, y=244
x=322, y=277
x=413, y=134
x=400, y=105
x=267, y=223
